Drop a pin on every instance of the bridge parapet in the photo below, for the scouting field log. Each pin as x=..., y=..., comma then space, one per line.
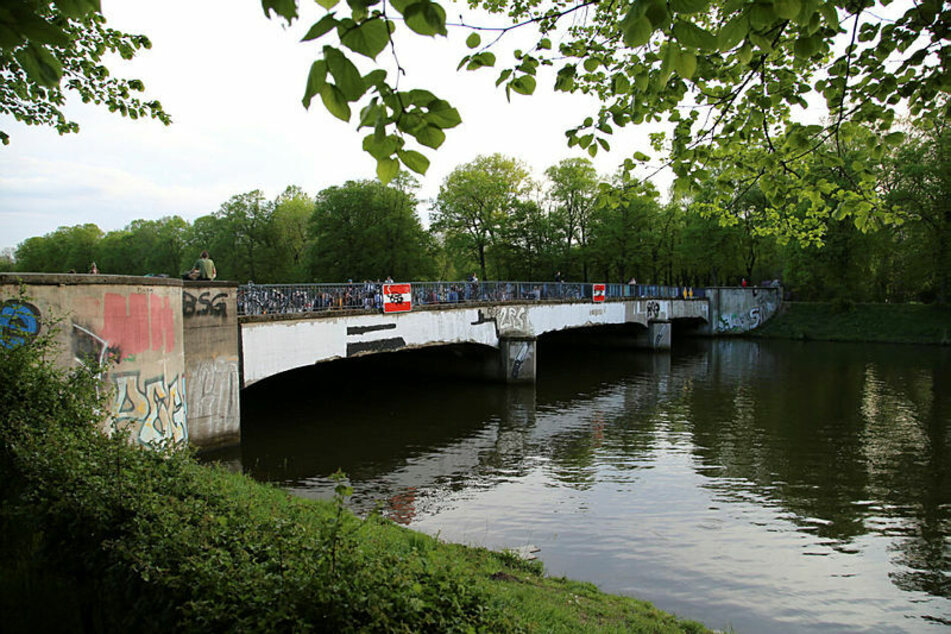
x=151, y=338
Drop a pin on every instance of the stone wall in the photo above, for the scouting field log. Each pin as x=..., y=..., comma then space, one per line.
x=212, y=370
x=169, y=355
x=735, y=310
x=129, y=326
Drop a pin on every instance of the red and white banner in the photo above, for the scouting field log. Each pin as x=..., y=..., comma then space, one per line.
x=597, y=292
x=397, y=298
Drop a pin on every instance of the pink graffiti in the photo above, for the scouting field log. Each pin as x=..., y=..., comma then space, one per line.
x=138, y=322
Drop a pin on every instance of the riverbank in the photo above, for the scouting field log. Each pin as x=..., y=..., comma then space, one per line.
x=100, y=535
x=879, y=323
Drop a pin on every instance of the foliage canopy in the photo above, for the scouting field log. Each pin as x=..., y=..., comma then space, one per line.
x=48, y=47
x=804, y=87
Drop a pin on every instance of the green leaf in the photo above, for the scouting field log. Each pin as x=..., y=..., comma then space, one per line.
x=806, y=47
x=40, y=65
x=685, y=64
x=387, y=169
x=637, y=32
x=381, y=148
x=762, y=16
x=544, y=44
x=894, y=138
x=787, y=9
x=76, y=8
x=315, y=81
x=320, y=27
x=348, y=78
x=640, y=156
x=419, y=97
x=369, y=39
x=733, y=32
x=374, y=77
x=287, y=9
x=335, y=102
x=442, y=115
x=591, y=64
x=39, y=31
x=745, y=54
x=479, y=60
x=828, y=11
x=473, y=40
x=414, y=160
x=328, y=4
x=688, y=6
x=430, y=136
x=690, y=34
x=426, y=18
x=620, y=85
x=657, y=13
x=523, y=85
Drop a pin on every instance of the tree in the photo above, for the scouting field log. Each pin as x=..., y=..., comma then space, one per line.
x=67, y=248
x=48, y=47
x=621, y=242
x=145, y=247
x=475, y=203
x=782, y=76
x=918, y=182
x=246, y=220
x=292, y=212
x=364, y=230
x=573, y=191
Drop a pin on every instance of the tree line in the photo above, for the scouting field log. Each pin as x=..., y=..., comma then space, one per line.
x=492, y=219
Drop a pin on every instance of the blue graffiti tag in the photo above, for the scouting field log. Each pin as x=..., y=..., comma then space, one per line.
x=19, y=322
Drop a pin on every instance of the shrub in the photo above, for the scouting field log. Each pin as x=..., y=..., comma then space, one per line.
x=102, y=535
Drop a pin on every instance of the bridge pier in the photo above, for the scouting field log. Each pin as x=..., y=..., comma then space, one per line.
x=658, y=335
x=518, y=358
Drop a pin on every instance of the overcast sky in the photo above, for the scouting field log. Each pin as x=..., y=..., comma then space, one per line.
x=232, y=81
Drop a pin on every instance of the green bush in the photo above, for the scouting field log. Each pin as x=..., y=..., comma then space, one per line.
x=101, y=535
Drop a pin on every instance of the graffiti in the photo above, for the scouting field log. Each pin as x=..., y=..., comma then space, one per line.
x=753, y=318
x=653, y=310
x=215, y=390
x=204, y=305
x=19, y=323
x=153, y=410
x=662, y=336
x=91, y=350
x=520, y=356
x=505, y=318
x=138, y=322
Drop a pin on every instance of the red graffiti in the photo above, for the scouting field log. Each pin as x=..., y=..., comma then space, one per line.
x=163, y=322
x=137, y=322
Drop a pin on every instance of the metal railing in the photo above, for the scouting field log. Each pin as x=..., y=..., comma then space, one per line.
x=270, y=299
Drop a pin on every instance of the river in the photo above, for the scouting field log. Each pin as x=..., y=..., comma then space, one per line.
x=759, y=486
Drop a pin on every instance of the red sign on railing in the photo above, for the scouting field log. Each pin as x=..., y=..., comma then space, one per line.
x=597, y=292
x=397, y=298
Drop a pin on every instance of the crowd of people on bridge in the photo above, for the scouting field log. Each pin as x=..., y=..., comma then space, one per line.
x=300, y=298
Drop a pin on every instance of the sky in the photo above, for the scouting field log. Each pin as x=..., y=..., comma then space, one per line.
x=232, y=81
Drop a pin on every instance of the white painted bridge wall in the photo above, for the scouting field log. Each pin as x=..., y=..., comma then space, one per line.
x=270, y=347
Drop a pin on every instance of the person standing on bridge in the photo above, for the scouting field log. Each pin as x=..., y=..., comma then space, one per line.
x=204, y=268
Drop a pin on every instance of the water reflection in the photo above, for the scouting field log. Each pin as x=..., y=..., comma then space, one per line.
x=765, y=487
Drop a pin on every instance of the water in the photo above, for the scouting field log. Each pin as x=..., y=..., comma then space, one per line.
x=764, y=487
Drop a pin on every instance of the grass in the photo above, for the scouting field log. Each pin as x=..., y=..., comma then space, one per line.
x=882, y=323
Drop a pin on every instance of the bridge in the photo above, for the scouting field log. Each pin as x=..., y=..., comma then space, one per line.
x=178, y=353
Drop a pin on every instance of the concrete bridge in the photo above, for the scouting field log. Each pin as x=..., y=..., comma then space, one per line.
x=177, y=354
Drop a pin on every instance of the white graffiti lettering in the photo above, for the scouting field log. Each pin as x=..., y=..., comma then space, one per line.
x=154, y=411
